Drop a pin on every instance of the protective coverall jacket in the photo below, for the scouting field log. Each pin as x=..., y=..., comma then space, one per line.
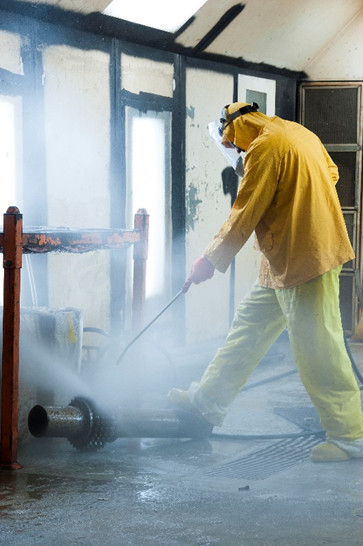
x=288, y=197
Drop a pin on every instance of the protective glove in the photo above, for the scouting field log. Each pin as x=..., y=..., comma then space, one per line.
x=202, y=270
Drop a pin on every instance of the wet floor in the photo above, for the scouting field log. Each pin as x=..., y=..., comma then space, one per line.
x=250, y=487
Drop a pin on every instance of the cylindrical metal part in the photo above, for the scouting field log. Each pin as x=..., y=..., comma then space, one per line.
x=86, y=427
x=57, y=421
x=162, y=423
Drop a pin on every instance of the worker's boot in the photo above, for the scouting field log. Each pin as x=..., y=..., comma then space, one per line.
x=328, y=452
x=334, y=450
x=180, y=400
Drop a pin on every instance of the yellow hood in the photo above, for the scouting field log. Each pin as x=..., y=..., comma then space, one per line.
x=244, y=129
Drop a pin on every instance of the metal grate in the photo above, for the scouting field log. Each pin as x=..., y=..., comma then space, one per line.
x=268, y=461
x=346, y=186
x=332, y=113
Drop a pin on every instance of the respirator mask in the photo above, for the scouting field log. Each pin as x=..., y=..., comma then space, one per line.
x=216, y=129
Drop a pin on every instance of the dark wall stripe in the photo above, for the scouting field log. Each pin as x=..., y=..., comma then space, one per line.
x=178, y=194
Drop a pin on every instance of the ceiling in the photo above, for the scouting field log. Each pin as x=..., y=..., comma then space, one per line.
x=285, y=34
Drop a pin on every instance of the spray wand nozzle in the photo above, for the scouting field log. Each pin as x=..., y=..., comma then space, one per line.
x=184, y=290
x=186, y=286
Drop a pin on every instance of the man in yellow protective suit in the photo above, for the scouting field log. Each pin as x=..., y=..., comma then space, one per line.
x=288, y=197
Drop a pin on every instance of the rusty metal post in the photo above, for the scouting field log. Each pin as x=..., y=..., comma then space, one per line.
x=141, y=223
x=12, y=261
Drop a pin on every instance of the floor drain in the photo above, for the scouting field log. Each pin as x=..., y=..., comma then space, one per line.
x=268, y=461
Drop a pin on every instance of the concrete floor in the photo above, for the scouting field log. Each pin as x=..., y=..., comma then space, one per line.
x=243, y=491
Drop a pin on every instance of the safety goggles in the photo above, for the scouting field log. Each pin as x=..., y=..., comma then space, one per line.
x=227, y=118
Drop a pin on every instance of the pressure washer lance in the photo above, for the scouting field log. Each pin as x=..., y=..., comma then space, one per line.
x=184, y=290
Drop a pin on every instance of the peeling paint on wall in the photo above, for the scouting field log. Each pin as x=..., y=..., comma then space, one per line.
x=191, y=201
x=190, y=112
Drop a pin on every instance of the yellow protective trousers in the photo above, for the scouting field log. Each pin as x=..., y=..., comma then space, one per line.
x=311, y=313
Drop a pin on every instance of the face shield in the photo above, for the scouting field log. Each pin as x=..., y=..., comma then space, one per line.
x=216, y=131
x=231, y=154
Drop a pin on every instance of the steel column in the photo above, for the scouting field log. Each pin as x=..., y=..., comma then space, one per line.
x=12, y=241
x=12, y=262
x=141, y=224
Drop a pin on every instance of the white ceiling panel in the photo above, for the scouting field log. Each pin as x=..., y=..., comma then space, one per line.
x=286, y=34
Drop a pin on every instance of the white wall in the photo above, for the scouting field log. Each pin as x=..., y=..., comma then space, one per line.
x=10, y=58
x=77, y=131
x=342, y=58
x=207, y=305
x=140, y=74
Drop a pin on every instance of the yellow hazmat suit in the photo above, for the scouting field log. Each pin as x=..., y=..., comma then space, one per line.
x=288, y=197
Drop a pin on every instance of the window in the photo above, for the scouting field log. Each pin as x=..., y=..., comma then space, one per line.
x=148, y=182
x=10, y=153
x=10, y=158
x=159, y=14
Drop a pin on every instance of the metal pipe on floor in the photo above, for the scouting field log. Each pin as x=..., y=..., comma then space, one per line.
x=88, y=428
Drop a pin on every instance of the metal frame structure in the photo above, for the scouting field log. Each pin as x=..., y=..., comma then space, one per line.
x=352, y=272
x=13, y=243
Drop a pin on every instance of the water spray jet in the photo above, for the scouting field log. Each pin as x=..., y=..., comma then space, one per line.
x=87, y=427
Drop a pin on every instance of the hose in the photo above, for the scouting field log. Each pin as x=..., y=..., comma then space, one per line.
x=217, y=436
x=354, y=365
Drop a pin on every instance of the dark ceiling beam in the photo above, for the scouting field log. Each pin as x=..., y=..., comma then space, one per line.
x=218, y=28
x=184, y=27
